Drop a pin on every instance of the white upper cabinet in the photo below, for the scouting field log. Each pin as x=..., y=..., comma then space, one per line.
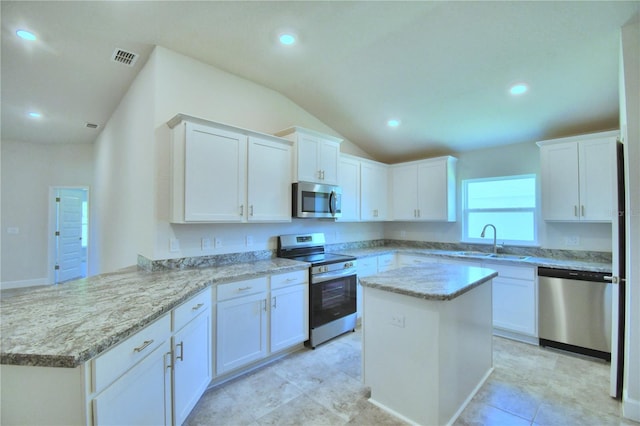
x=269, y=189
x=373, y=190
x=579, y=178
x=221, y=173
x=316, y=155
x=424, y=190
x=349, y=181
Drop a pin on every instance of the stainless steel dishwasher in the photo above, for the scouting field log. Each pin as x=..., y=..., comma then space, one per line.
x=574, y=310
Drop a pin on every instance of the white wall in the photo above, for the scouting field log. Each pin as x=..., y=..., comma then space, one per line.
x=507, y=160
x=630, y=100
x=28, y=171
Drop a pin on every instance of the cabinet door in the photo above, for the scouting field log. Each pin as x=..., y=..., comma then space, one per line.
x=308, y=161
x=559, y=173
x=349, y=181
x=241, y=331
x=215, y=175
x=142, y=396
x=289, y=316
x=434, y=192
x=269, y=190
x=374, y=191
x=514, y=305
x=404, y=181
x=192, y=364
x=597, y=179
x=329, y=156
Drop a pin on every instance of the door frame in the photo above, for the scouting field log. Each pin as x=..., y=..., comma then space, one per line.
x=52, y=227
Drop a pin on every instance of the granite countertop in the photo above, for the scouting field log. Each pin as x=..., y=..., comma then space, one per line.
x=67, y=324
x=548, y=262
x=431, y=281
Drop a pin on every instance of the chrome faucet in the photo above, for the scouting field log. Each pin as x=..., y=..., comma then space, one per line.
x=495, y=246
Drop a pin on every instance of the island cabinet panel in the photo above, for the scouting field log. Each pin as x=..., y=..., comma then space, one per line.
x=192, y=353
x=316, y=155
x=225, y=174
x=142, y=396
x=579, y=178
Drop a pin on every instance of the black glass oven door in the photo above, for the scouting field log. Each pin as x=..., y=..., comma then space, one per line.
x=332, y=299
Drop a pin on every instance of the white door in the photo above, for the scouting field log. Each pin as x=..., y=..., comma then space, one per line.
x=69, y=248
x=289, y=316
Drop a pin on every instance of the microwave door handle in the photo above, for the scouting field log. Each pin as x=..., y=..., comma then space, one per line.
x=332, y=203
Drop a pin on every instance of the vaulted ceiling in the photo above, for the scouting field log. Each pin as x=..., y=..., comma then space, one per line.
x=442, y=68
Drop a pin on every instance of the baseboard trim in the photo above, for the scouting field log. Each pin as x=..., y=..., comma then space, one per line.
x=5, y=285
x=630, y=408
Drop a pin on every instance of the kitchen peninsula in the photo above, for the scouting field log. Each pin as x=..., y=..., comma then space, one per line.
x=427, y=339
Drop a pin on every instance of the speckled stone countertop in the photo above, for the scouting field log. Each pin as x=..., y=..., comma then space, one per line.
x=430, y=281
x=67, y=324
x=579, y=264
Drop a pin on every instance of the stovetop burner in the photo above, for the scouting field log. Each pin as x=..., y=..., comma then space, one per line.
x=323, y=258
x=308, y=248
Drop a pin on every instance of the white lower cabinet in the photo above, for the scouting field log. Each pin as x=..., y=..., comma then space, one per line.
x=515, y=301
x=255, y=319
x=367, y=266
x=192, y=352
x=142, y=396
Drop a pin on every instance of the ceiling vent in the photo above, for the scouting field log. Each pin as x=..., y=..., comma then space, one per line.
x=91, y=126
x=123, y=57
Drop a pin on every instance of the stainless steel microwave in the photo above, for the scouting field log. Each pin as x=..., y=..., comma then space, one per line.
x=315, y=200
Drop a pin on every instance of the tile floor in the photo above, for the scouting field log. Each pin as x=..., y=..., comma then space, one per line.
x=529, y=386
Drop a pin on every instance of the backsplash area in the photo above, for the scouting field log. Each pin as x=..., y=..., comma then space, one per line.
x=229, y=258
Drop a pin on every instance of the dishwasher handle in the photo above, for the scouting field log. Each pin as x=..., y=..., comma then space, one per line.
x=599, y=277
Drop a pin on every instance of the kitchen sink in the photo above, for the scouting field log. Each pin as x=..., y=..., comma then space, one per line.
x=473, y=253
x=507, y=256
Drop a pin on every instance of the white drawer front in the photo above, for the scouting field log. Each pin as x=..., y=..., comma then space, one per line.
x=507, y=271
x=242, y=288
x=191, y=309
x=111, y=364
x=289, y=278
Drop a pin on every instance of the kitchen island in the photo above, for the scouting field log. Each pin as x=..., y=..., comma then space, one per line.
x=427, y=339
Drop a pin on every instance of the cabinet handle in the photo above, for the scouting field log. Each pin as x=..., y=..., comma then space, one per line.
x=244, y=288
x=143, y=345
x=275, y=303
x=582, y=210
x=322, y=174
x=168, y=356
x=251, y=210
x=198, y=306
x=241, y=209
x=264, y=304
x=290, y=279
x=418, y=212
x=181, y=356
x=575, y=211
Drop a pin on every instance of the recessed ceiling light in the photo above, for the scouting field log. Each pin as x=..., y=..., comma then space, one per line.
x=393, y=123
x=519, y=89
x=27, y=35
x=34, y=114
x=287, y=39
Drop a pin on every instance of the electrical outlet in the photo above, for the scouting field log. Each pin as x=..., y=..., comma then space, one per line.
x=403, y=234
x=397, y=320
x=572, y=240
x=205, y=243
x=218, y=242
x=249, y=240
x=174, y=245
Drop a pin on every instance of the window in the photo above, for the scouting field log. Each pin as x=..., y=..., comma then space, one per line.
x=507, y=202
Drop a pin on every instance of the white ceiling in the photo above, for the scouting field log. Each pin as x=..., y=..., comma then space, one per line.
x=442, y=68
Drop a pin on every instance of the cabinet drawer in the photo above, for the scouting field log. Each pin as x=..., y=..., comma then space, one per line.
x=290, y=278
x=111, y=364
x=191, y=309
x=517, y=272
x=242, y=288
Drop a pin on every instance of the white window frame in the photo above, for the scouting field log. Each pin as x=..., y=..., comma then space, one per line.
x=488, y=240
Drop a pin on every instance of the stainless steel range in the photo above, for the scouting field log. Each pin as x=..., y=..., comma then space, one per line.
x=332, y=285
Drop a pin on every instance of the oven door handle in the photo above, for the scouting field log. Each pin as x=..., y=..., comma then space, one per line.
x=327, y=276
